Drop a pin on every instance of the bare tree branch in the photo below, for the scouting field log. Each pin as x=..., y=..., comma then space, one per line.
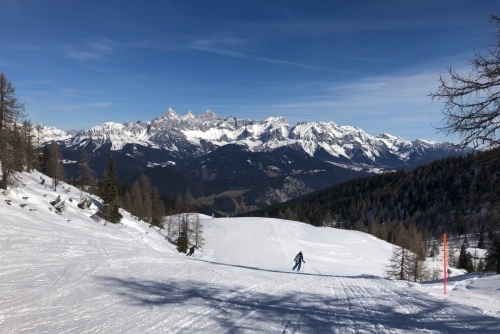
x=472, y=100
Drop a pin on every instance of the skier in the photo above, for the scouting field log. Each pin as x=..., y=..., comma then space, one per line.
x=191, y=251
x=298, y=259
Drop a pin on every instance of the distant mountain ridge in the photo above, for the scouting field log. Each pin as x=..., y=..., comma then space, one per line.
x=191, y=136
x=309, y=155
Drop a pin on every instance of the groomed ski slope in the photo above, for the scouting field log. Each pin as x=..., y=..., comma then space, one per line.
x=69, y=274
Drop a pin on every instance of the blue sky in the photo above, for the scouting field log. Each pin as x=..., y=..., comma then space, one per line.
x=371, y=64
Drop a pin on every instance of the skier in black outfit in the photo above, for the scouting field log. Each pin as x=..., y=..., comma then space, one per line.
x=298, y=259
x=191, y=250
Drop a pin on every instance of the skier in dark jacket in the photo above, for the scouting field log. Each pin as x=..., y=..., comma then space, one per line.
x=298, y=259
x=191, y=250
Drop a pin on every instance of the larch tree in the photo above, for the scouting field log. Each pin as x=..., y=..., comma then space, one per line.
x=417, y=269
x=43, y=161
x=472, y=110
x=17, y=143
x=179, y=205
x=28, y=147
x=198, y=232
x=55, y=168
x=11, y=111
x=472, y=100
x=147, y=205
x=158, y=209
x=399, y=264
x=135, y=205
x=189, y=202
x=86, y=177
x=183, y=238
x=144, y=202
x=171, y=228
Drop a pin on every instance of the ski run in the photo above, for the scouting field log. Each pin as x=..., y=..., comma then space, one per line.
x=66, y=273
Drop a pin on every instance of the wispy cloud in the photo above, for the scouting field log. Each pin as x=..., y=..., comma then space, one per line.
x=398, y=104
x=217, y=45
x=91, y=50
x=83, y=106
x=216, y=42
x=367, y=95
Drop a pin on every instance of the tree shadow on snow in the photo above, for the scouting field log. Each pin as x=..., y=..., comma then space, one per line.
x=240, y=309
x=284, y=271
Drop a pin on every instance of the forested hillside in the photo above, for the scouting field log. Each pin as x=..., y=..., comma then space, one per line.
x=456, y=195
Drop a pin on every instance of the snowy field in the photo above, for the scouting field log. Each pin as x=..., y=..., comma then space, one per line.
x=69, y=274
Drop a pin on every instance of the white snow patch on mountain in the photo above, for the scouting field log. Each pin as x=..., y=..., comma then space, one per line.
x=194, y=135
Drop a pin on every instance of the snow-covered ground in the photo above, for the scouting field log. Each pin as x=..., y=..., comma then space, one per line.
x=70, y=274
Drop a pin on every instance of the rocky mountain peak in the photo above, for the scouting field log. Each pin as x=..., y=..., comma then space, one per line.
x=194, y=135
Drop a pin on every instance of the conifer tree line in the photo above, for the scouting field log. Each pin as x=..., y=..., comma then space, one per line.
x=16, y=138
x=458, y=195
x=142, y=199
x=144, y=202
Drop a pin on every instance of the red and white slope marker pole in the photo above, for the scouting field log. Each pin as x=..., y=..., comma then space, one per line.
x=444, y=266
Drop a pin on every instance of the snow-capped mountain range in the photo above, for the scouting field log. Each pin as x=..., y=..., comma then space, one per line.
x=235, y=164
x=191, y=136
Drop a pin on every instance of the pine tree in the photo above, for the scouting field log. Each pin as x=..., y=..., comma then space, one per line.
x=480, y=266
x=465, y=260
x=480, y=243
x=108, y=191
x=493, y=256
x=434, y=250
x=58, y=204
x=452, y=259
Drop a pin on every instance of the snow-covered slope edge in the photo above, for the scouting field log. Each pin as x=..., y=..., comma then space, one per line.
x=69, y=274
x=331, y=251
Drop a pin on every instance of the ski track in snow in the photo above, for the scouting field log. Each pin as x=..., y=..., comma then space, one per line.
x=141, y=294
x=82, y=277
